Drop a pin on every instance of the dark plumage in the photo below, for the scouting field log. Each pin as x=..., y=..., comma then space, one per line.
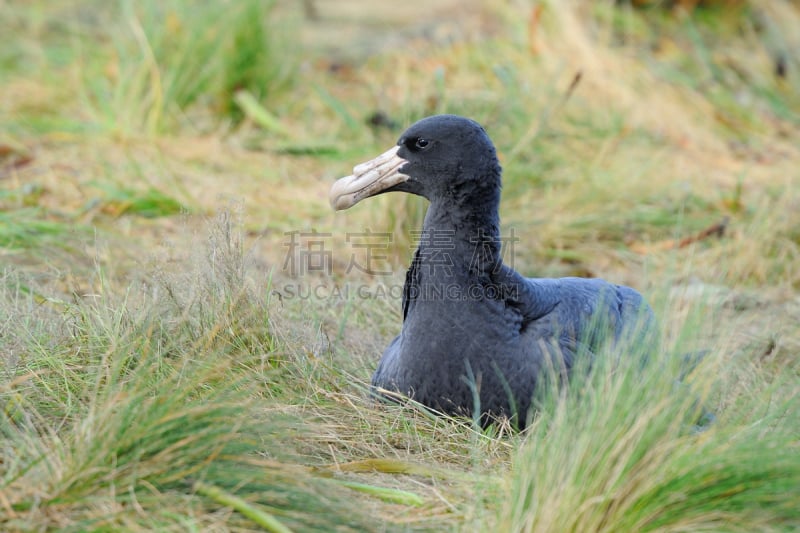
x=472, y=326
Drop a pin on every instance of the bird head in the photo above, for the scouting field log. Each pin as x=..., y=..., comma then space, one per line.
x=440, y=157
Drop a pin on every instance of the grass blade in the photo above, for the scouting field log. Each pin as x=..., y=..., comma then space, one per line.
x=403, y=497
x=256, y=513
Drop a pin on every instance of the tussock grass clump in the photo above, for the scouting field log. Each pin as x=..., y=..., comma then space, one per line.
x=134, y=69
x=115, y=405
x=172, y=55
x=622, y=450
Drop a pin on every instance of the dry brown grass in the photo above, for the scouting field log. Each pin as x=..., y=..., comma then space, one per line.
x=667, y=132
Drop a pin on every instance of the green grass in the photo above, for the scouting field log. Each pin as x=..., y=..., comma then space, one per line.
x=28, y=228
x=121, y=402
x=620, y=452
x=139, y=69
x=161, y=370
x=149, y=203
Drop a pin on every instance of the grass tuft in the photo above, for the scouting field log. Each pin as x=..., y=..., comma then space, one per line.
x=108, y=417
x=153, y=68
x=28, y=228
x=621, y=451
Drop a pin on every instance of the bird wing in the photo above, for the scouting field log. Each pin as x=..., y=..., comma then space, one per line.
x=411, y=282
x=576, y=310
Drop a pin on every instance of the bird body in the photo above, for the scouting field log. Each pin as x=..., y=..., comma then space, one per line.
x=478, y=337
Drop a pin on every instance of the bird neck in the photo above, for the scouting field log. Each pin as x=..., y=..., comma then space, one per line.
x=464, y=236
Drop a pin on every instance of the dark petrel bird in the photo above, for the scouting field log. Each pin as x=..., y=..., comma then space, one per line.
x=477, y=337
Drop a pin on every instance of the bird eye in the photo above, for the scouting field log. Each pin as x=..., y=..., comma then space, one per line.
x=421, y=144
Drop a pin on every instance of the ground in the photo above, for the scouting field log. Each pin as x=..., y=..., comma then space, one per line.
x=173, y=276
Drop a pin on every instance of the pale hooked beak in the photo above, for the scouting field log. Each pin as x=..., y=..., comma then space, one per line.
x=368, y=179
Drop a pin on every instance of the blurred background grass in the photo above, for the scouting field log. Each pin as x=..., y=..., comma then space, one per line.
x=650, y=143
